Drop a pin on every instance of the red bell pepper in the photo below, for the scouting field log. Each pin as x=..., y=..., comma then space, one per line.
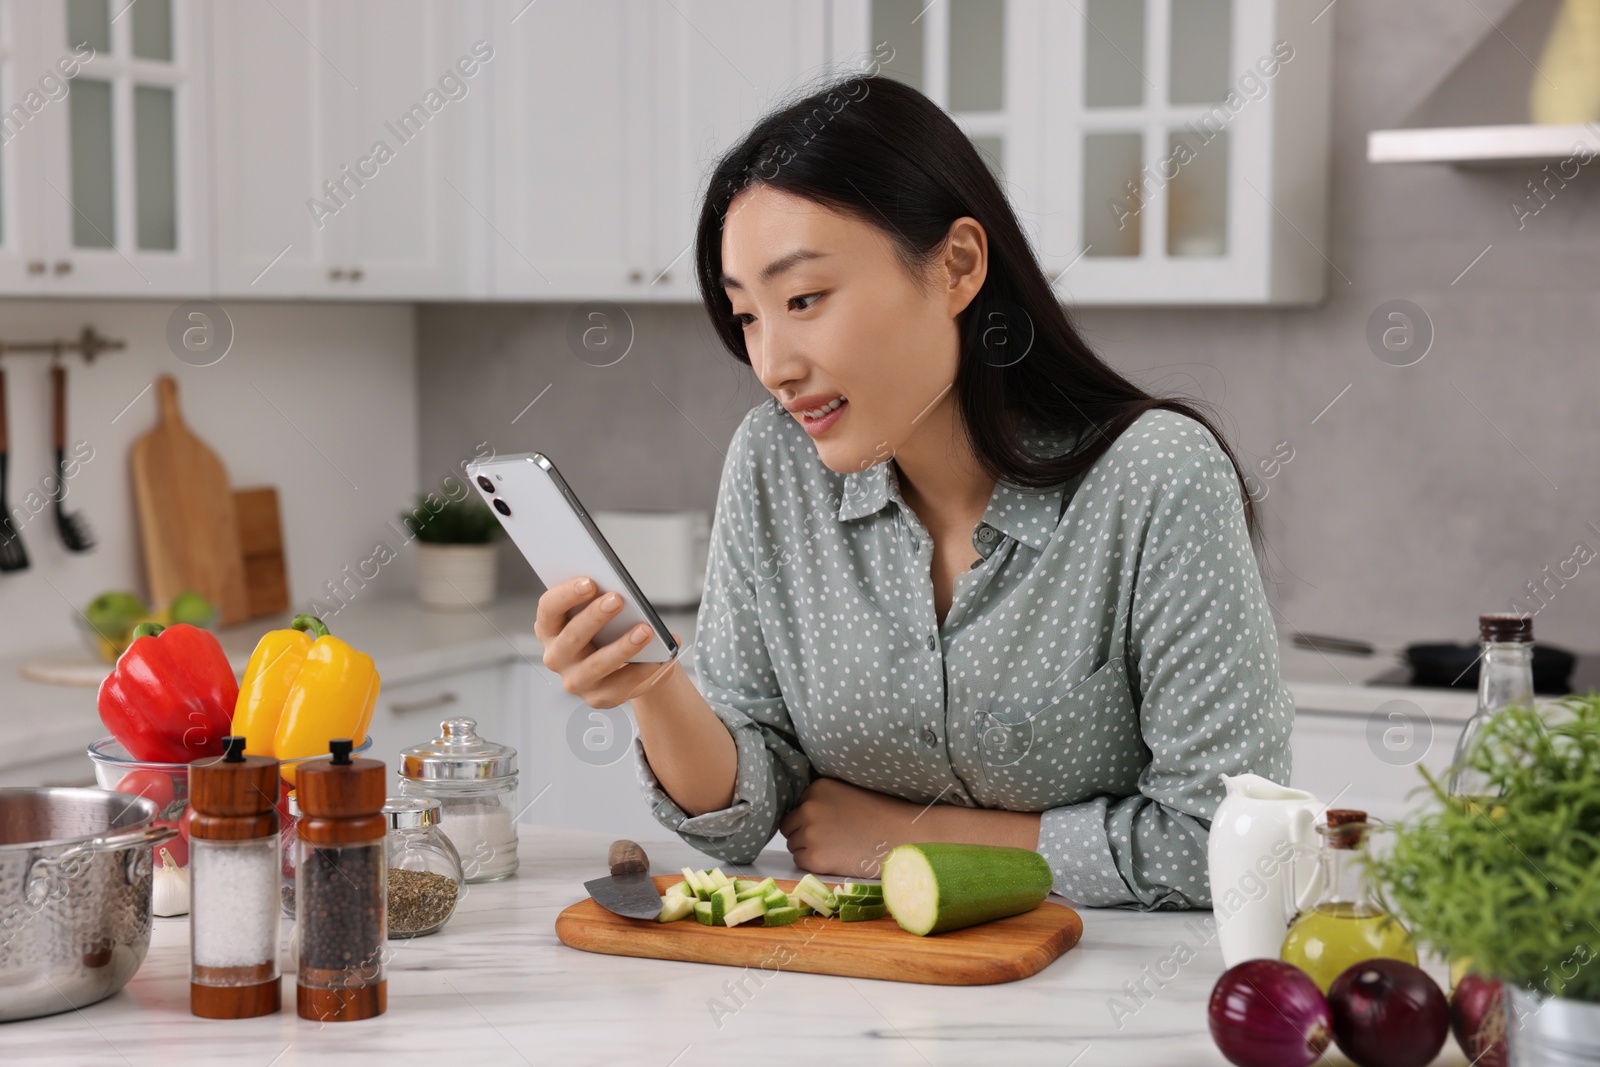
x=170, y=697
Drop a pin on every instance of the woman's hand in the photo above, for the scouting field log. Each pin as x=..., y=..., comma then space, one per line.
x=841, y=829
x=603, y=677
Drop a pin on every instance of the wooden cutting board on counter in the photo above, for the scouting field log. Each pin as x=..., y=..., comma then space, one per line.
x=266, y=574
x=186, y=514
x=1000, y=951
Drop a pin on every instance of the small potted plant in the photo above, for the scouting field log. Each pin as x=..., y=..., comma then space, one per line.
x=455, y=551
x=1511, y=881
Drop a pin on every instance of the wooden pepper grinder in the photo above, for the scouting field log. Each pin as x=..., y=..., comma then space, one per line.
x=233, y=870
x=340, y=887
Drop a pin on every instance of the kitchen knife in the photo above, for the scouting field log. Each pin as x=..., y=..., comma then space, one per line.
x=629, y=891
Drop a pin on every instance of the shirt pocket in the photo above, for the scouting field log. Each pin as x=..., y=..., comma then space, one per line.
x=1078, y=739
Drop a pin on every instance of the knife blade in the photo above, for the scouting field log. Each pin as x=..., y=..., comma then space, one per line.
x=628, y=891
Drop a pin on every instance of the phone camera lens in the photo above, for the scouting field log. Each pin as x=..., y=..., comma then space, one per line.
x=488, y=486
x=502, y=507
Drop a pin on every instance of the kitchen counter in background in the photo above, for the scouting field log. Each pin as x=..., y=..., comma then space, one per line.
x=496, y=987
x=487, y=665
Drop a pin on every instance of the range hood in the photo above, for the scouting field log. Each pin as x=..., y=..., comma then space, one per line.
x=1480, y=115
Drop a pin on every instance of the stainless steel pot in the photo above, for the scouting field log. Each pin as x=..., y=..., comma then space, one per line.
x=75, y=873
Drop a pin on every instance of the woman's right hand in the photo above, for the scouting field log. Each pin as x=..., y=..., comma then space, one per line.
x=601, y=676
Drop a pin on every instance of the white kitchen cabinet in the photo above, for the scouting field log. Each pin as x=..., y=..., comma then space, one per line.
x=601, y=200
x=981, y=61
x=106, y=188
x=1369, y=762
x=351, y=149
x=722, y=64
x=1156, y=151
x=573, y=158
x=576, y=761
x=410, y=713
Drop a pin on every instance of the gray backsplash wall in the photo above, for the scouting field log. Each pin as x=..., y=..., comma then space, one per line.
x=1422, y=496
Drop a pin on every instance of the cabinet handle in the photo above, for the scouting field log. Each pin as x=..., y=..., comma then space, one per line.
x=413, y=706
x=355, y=274
x=36, y=266
x=63, y=266
x=636, y=276
x=336, y=273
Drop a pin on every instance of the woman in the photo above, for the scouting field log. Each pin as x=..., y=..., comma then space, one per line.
x=967, y=582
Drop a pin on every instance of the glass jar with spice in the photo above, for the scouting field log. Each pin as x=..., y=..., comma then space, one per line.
x=475, y=782
x=289, y=835
x=340, y=887
x=233, y=871
x=424, y=870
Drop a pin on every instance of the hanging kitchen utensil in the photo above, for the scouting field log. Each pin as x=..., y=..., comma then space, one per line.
x=187, y=519
x=13, y=557
x=75, y=533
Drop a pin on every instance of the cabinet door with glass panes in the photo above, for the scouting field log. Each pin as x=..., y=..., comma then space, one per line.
x=980, y=60
x=1186, y=151
x=118, y=182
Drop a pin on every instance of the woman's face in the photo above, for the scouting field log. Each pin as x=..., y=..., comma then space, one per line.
x=838, y=316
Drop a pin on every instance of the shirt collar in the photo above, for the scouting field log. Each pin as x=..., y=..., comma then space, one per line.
x=1026, y=515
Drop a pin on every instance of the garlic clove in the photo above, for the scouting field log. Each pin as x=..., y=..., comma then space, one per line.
x=169, y=890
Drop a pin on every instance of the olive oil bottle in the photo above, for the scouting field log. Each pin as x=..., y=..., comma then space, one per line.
x=1345, y=925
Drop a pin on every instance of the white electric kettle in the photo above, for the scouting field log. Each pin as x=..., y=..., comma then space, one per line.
x=1262, y=843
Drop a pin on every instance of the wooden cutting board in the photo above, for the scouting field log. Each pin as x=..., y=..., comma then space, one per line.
x=1000, y=951
x=266, y=574
x=186, y=514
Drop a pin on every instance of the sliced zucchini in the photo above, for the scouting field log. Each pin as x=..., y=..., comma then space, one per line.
x=744, y=911
x=743, y=885
x=722, y=902
x=682, y=889
x=702, y=912
x=855, y=913
x=938, y=886
x=780, y=916
x=776, y=898
x=675, y=906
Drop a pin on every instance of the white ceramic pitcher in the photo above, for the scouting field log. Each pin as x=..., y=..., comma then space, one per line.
x=1261, y=832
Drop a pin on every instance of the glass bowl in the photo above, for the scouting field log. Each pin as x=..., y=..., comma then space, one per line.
x=167, y=784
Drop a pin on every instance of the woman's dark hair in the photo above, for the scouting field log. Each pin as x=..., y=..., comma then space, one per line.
x=879, y=151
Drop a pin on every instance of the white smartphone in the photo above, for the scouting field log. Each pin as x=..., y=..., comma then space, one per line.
x=556, y=535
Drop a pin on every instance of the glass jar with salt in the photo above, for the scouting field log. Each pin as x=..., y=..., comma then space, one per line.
x=475, y=782
x=233, y=871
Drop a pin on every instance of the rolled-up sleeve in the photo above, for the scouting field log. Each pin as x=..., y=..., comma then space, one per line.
x=1202, y=656
x=736, y=677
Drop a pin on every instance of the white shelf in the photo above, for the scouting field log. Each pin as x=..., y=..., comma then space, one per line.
x=1482, y=145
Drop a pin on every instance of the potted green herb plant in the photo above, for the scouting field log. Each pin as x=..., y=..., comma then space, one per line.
x=1511, y=881
x=455, y=551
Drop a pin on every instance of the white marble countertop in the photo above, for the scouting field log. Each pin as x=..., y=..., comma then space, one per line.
x=496, y=987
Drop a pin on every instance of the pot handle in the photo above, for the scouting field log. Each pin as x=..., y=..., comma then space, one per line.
x=44, y=867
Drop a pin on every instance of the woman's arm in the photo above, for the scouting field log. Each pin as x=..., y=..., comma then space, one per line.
x=689, y=749
x=724, y=792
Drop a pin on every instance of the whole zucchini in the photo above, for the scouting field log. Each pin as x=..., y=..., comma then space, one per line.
x=938, y=886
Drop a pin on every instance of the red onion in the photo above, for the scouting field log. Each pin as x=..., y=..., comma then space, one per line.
x=1478, y=1019
x=1387, y=1013
x=1267, y=1013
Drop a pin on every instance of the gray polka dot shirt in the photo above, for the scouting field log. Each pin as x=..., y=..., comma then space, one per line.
x=1108, y=657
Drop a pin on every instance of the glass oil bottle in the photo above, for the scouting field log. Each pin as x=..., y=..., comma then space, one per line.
x=1345, y=925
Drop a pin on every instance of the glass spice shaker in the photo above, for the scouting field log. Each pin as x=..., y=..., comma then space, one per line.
x=340, y=887
x=290, y=837
x=233, y=870
x=424, y=870
x=475, y=782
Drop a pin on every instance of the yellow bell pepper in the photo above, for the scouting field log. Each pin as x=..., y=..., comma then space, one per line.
x=302, y=688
